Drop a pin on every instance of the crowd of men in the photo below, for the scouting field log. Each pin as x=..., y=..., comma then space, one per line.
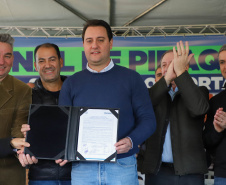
x=167, y=120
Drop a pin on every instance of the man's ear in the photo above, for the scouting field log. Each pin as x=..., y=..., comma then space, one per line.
x=13, y=60
x=35, y=66
x=111, y=43
x=187, y=67
x=61, y=63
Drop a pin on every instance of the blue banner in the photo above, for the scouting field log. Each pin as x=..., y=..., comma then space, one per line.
x=137, y=53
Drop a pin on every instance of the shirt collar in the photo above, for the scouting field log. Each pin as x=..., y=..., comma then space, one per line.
x=107, y=68
x=172, y=93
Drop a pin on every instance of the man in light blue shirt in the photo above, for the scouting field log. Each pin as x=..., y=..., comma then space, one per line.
x=167, y=155
x=174, y=153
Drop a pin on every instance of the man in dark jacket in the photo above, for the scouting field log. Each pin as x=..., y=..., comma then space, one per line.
x=175, y=154
x=48, y=63
x=214, y=133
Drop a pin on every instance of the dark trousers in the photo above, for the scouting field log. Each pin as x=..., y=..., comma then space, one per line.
x=166, y=176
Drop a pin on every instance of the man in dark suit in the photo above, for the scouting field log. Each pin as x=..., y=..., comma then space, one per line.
x=174, y=154
x=214, y=133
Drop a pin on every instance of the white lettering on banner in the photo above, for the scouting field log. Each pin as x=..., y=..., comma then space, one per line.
x=204, y=81
x=212, y=83
x=194, y=79
x=149, y=81
x=217, y=82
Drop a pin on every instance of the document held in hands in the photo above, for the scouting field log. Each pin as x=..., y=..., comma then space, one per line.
x=72, y=133
x=97, y=134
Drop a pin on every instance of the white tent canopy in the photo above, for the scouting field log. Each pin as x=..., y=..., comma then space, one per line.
x=127, y=17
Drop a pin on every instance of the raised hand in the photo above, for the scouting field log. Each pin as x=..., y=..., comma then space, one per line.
x=170, y=74
x=181, y=58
